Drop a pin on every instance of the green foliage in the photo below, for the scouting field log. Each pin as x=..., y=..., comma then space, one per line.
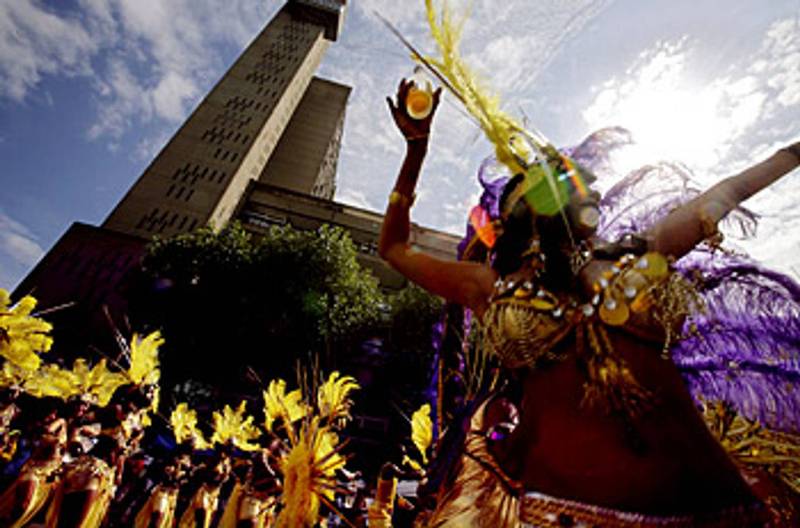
x=228, y=300
x=414, y=312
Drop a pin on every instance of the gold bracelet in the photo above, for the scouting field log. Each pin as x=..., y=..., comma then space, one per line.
x=403, y=201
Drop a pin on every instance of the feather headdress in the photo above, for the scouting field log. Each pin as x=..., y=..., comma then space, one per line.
x=144, y=359
x=97, y=383
x=333, y=396
x=232, y=426
x=422, y=430
x=500, y=128
x=278, y=404
x=308, y=470
x=184, y=425
x=22, y=336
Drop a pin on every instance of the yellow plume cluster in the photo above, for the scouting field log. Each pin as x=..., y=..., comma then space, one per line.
x=333, y=396
x=232, y=426
x=422, y=430
x=309, y=465
x=184, y=426
x=97, y=383
x=500, y=128
x=144, y=359
x=309, y=470
x=22, y=336
x=277, y=404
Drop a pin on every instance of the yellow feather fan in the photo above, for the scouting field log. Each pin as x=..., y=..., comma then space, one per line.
x=22, y=336
x=500, y=128
x=308, y=471
x=277, y=404
x=184, y=426
x=333, y=396
x=422, y=430
x=231, y=425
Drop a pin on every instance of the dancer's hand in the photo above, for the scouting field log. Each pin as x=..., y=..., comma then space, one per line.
x=412, y=129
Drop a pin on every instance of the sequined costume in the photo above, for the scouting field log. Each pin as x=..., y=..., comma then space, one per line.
x=640, y=295
x=162, y=501
x=85, y=474
x=249, y=505
x=204, y=503
x=39, y=475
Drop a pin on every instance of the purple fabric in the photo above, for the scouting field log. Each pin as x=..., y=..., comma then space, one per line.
x=432, y=393
x=748, y=348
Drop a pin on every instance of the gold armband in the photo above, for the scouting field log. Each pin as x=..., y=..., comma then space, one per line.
x=403, y=201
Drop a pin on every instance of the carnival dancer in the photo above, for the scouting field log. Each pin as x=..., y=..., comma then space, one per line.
x=380, y=512
x=608, y=434
x=203, y=505
x=233, y=429
x=29, y=493
x=9, y=411
x=87, y=487
x=159, y=510
x=252, y=503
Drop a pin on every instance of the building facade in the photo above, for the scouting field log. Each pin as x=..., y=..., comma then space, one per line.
x=262, y=147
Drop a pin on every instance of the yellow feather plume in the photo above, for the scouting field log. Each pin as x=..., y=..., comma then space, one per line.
x=500, y=128
x=422, y=430
x=184, y=426
x=22, y=336
x=277, y=404
x=309, y=470
x=11, y=375
x=230, y=425
x=333, y=396
x=144, y=359
x=97, y=383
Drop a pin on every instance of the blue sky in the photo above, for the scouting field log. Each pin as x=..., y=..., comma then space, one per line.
x=91, y=89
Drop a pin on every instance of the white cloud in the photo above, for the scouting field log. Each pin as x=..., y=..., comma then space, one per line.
x=35, y=42
x=146, y=59
x=19, y=250
x=717, y=123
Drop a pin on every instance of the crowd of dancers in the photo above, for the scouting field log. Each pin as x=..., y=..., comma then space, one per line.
x=75, y=453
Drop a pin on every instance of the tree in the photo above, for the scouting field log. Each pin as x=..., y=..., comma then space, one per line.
x=226, y=301
x=414, y=312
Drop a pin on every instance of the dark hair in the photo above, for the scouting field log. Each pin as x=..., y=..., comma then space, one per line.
x=518, y=230
x=520, y=225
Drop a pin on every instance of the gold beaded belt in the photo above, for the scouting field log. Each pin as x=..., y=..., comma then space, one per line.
x=543, y=511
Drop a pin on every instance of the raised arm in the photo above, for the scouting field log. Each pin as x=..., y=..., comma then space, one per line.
x=466, y=283
x=685, y=227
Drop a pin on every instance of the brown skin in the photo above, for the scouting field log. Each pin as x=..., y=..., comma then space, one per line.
x=671, y=464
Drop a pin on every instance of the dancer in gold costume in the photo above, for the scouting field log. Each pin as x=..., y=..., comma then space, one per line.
x=87, y=487
x=26, y=497
x=252, y=503
x=205, y=501
x=159, y=510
